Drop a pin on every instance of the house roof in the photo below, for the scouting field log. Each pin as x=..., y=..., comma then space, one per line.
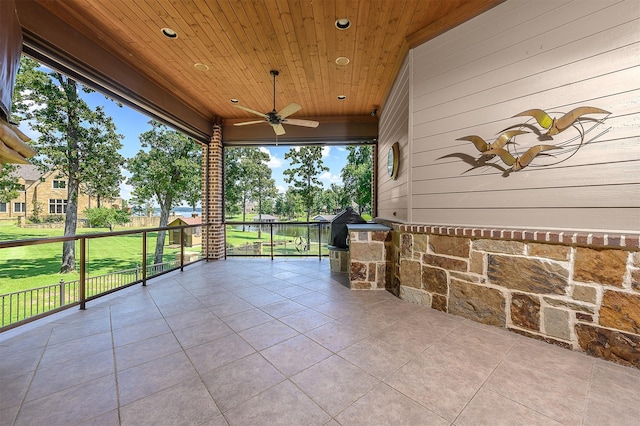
x=28, y=172
x=325, y=217
x=186, y=220
x=224, y=49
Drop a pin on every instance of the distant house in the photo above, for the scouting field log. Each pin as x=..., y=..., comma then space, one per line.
x=324, y=217
x=265, y=218
x=192, y=236
x=48, y=191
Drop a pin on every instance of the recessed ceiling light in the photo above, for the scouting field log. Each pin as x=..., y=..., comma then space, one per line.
x=234, y=101
x=342, y=97
x=201, y=67
x=343, y=24
x=342, y=60
x=168, y=32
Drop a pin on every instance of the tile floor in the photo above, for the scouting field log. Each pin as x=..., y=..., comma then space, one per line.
x=256, y=342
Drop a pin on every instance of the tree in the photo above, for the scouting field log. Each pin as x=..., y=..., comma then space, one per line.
x=75, y=141
x=289, y=204
x=357, y=175
x=306, y=165
x=165, y=172
x=232, y=174
x=248, y=177
x=9, y=186
x=102, y=217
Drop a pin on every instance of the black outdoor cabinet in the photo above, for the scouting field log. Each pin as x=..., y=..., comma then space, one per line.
x=339, y=227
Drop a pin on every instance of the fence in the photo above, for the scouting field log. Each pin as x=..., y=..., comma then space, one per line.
x=26, y=305
x=273, y=239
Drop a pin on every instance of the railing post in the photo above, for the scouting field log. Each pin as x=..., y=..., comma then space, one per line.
x=319, y=241
x=83, y=271
x=271, y=240
x=144, y=258
x=181, y=249
x=61, y=292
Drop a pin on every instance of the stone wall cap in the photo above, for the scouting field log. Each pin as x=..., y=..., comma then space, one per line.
x=364, y=227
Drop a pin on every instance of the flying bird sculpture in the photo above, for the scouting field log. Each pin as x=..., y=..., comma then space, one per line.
x=500, y=142
x=557, y=125
x=519, y=163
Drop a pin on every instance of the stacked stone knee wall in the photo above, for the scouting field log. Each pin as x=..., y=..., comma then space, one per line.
x=578, y=291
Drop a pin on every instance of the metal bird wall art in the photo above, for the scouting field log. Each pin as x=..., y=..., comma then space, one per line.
x=500, y=142
x=517, y=158
x=555, y=126
x=519, y=163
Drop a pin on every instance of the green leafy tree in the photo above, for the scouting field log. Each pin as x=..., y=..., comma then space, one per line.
x=9, y=186
x=329, y=200
x=103, y=217
x=305, y=167
x=164, y=172
x=248, y=178
x=75, y=141
x=357, y=175
x=289, y=204
x=232, y=173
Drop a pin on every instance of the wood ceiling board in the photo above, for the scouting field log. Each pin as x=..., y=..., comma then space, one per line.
x=240, y=41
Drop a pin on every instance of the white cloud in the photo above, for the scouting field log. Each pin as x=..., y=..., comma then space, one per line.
x=274, y=162
x=330, y=178
x=325, y=151
x=281, y=189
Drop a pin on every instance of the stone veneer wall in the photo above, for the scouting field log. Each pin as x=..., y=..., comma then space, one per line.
x=579, y=291
x=370, y=260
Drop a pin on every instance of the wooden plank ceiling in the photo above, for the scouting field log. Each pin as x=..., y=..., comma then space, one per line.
x=224, y=49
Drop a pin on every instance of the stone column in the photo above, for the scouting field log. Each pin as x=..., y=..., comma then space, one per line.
x=213, y=242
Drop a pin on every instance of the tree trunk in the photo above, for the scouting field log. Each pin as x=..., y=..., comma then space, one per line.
x=165, y=209
x=70, y=224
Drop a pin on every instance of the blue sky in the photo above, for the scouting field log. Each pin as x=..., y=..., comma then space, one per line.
x=131, y=124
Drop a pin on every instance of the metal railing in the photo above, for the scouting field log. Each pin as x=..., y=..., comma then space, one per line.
x=277, y=239
x=22, y=306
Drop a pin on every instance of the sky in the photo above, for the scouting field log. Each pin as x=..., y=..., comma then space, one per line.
x=130, y=123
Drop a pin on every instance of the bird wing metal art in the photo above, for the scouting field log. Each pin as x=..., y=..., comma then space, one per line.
x=557, y=125
x=519, y=163
x=500, y=142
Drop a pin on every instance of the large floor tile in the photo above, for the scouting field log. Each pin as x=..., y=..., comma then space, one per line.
x=235, y=383
x=267, y=334
x=283, y=404
x=386, y=406
x=296, y=354
x=151, y=377
x=188, y=402
x=334, y=383
x=217, y=353
x=71, y=406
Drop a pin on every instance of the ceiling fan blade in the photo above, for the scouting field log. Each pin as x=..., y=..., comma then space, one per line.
x=289, y=109
x=279, y=129
x=246, y=123
x=304, y=123
x=252, y=111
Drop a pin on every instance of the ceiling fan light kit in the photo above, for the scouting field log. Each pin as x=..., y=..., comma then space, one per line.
x=277, y=119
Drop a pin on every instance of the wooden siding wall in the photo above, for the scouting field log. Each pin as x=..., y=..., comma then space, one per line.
x=553, y=55
x=394, y=127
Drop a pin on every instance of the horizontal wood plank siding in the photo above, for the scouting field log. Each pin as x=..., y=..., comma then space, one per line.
x=394, y=127
x=520, y=55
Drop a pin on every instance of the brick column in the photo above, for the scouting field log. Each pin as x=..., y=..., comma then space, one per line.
x=212, y=196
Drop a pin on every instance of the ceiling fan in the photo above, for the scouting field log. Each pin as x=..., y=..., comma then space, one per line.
x=277, y=119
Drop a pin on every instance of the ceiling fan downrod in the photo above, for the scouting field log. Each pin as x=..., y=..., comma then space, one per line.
x=274, y=73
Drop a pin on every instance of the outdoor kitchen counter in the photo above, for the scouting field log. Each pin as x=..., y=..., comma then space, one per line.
x=368, y=256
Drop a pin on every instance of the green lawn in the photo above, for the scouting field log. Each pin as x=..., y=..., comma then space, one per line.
x=34, y=266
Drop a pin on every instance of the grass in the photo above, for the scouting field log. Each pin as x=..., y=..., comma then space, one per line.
x=34, y=266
